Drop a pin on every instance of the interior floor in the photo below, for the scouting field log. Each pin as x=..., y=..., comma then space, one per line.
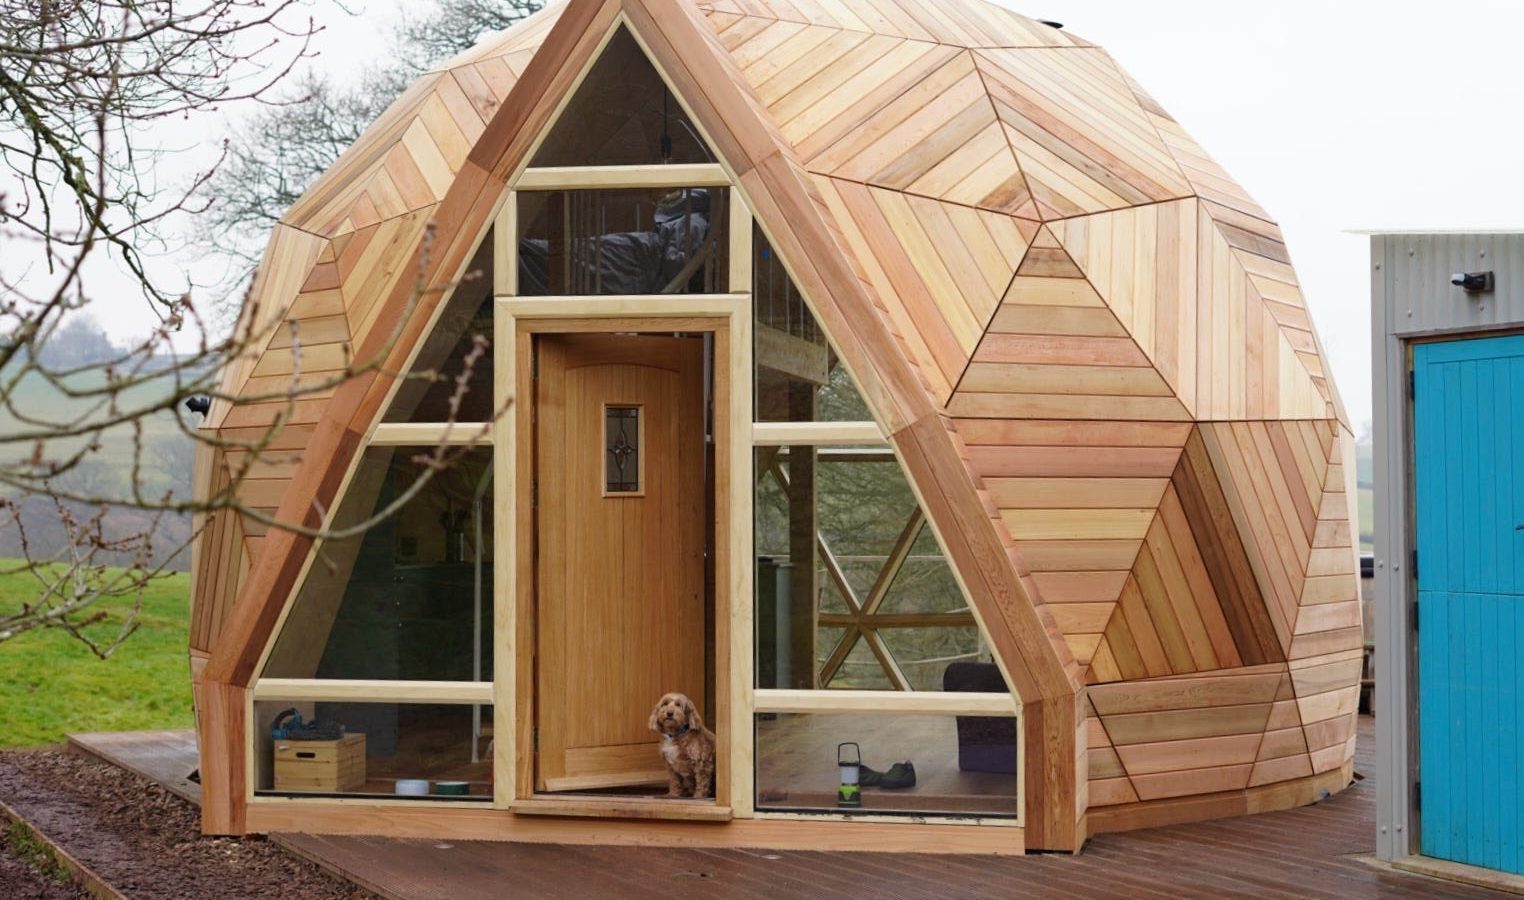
x=797, y=765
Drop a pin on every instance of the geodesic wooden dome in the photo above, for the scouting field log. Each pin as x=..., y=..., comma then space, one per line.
x=1085, y=342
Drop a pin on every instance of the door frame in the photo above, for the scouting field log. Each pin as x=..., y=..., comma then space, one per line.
x=516, y=321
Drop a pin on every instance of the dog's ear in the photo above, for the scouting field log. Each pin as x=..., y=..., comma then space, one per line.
x=651, y=724
x=695, y=721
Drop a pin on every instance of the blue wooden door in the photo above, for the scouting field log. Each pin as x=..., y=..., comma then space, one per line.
x=1469, y=472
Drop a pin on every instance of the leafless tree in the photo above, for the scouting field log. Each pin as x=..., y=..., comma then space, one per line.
x=284, y=147
x=85, y=87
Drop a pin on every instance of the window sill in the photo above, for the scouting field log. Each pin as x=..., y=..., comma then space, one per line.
x=622, y=808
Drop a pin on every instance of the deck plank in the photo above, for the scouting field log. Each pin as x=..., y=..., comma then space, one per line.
x=166, y=757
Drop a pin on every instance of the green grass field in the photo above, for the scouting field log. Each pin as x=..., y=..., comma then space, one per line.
x=50, y=684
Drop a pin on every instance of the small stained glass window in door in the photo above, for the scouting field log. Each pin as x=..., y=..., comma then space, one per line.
x=621, y=450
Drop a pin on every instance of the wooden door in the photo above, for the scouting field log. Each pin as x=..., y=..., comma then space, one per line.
x=620, y=469
x=1468, y=416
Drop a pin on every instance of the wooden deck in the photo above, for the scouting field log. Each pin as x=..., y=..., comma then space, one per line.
x=1317, y=851
x=168, y=757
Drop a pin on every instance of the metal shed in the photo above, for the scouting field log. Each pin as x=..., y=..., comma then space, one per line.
x=1448, y=352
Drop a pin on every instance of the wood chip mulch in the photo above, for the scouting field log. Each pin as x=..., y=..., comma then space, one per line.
x=141, y=839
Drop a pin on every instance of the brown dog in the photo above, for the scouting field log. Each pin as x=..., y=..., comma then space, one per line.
x=686, y=745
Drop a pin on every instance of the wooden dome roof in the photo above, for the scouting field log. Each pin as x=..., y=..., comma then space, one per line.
x=1096, y=360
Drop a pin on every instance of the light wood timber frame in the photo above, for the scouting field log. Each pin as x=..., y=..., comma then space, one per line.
x=727, y=317
x=406, y=434
x=845, y=434
x=1083, y=342
x=777, y=832
x=373, y=691
x=885, y=702
x=618, y=177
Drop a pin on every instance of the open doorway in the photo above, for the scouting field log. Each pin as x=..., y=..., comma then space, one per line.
x=624, y=531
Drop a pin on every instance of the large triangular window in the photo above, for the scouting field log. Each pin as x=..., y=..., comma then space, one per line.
x=401, y=590
x=622, y=114
x=854, y=591
x=387, y=602
x=608, y=235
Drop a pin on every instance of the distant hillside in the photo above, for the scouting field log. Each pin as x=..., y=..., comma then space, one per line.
x=166, y=459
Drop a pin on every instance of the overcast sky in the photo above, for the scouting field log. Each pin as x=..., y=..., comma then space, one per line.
x=1335, y=115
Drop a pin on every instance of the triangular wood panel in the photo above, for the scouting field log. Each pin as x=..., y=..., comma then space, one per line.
x=1054, y=349
x=1109, y=784
x=1077, y=499
x=1273, y=476
x=220, y=558
x=1187, y=286
x=1192, y=734
x=1143, y=263
x=1080, y=137
x=1191, y=603
x=1208, y=180
x=1326, y=646
x=938, y=278
x=1258, y=246
x=1283, y=752
x=938, y=139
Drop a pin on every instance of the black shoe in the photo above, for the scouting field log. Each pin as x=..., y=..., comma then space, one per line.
x=900, y=775
x=867, y=777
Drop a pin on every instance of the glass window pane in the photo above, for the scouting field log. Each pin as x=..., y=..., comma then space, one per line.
x=622, y=114
x=963, y=765
x=410, y=598
x=850, y=577
x=631, y=241
x=798, y=377
x=465, y=323
x=444, y=750
x=621, y=449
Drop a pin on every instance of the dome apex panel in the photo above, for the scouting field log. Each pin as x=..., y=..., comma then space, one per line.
x=939, y=139
x=962, y=23
x=1079, y=134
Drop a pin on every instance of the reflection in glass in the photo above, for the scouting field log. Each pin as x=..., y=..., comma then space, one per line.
x=464, y=327
x=622, y=115
x=441, y=748
x=411, y=597
x=635, y=241
x=853, y=590
x=798, y=377
x=796, y=764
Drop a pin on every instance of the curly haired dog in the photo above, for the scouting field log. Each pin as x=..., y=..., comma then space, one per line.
x=686, y=745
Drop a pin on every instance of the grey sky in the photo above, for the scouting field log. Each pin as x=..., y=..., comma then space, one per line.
x=1335, y=115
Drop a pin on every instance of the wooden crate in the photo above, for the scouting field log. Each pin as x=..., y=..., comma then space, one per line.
x=328, y=766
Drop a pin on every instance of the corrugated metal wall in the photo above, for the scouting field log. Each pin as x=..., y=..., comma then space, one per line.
x=1419, y=296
